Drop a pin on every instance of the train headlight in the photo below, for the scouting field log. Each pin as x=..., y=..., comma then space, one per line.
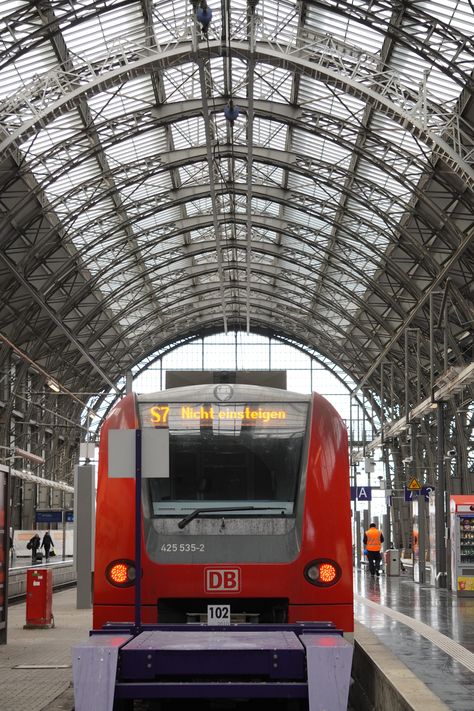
x=322, y=572
x=121, y=573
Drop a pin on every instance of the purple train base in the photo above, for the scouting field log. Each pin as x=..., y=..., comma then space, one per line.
x=305, y=660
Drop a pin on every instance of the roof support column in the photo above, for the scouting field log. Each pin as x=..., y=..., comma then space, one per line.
x=440, y=516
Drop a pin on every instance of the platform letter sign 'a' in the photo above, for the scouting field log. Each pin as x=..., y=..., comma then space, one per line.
x=361, y=493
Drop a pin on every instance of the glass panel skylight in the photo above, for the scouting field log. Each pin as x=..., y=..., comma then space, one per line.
x=135, y=95
x=278, y=19
x=26, y=68
x=51, y=148
x=270, y=134
x=187, y=133
x=272, y=83
x=160, y=218
x=317, y=148
x=171, y=20
x=266, y=207
x=263, y=173
x=116, y=166
x=412, y=70
x=181, y=83
x=199, y=207
x=88, y=39
x=320, y=191
x=323, y=21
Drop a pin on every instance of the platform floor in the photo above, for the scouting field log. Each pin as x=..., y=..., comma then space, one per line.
x=35, y=665
x=430, y=631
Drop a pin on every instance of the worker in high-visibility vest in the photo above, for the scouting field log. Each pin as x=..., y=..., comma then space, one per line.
x=373, y=539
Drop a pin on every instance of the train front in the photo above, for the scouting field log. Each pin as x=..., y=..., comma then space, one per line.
x=246, y=512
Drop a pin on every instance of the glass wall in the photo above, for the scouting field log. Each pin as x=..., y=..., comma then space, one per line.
x=240, y=351
x=306, y=372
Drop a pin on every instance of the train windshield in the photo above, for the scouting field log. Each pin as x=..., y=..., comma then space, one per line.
x=228, y=454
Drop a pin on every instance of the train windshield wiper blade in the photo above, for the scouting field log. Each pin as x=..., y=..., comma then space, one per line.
x=184, y=521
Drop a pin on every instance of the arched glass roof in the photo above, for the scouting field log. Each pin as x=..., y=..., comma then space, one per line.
x=135, y=214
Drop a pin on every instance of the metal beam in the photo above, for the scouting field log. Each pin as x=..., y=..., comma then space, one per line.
x=327, y=62
x=437, y=280
x=37, y=297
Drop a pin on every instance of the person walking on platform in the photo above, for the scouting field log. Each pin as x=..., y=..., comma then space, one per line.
x=47, y=544
x=33, y=545
x=373, y=539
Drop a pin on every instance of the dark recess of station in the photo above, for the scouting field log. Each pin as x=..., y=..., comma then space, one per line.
x=266, y=378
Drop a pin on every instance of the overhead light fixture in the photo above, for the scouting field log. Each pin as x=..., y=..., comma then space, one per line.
x=454, y=380
x=53, y=385
x=29, y=456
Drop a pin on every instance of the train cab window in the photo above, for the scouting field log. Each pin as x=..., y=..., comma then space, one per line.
x=231, y=454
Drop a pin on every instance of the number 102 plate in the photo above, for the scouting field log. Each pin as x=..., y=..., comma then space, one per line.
x=218, y=614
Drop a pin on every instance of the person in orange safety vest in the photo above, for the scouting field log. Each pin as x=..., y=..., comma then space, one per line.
x=373, y=539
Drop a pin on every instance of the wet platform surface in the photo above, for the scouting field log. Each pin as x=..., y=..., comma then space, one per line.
x=430, y=630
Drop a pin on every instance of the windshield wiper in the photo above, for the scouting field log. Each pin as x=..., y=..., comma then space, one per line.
x=194, y=514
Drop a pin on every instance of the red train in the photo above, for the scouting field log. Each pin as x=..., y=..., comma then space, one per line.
x=247, y=512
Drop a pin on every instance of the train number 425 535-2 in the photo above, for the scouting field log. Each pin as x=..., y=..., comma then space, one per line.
x=183, y=548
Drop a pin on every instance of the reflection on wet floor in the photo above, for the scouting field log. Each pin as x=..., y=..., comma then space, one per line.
x=448, y=678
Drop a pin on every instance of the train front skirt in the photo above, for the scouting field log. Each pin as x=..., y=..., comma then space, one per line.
x=304, y=660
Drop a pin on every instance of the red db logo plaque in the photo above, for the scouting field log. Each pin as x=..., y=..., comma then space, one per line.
x=222, y=580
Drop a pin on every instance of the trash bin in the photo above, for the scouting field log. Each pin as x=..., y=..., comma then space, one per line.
x=39, y=598
x=392, y=562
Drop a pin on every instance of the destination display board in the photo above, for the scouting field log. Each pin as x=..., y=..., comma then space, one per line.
x=163, y=415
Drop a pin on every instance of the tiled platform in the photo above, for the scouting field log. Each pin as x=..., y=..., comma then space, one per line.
x=46, y=654
x=430, y=631
x=35, y=666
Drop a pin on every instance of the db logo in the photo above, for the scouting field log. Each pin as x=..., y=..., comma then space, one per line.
x=222, y=580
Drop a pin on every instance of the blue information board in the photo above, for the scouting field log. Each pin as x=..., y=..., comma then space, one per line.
x=363, y=493
x=69, y=516
x=411, y=494
x=49, y=516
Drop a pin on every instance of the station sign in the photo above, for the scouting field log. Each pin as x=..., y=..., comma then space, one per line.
x=411, y=494
x=361, y=493
x=54, y=516
x=49, y=516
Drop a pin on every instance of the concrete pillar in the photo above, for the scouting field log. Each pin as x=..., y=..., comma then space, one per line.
x=358, y=541
x=84, y=532
x=56, y=499
x=386, y=531
x=28, y=504
x=365, y=519
x=422, y=539
x=43, y=497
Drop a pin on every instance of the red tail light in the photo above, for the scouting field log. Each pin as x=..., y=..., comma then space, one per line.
x=121, y=573
x=323, y=572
